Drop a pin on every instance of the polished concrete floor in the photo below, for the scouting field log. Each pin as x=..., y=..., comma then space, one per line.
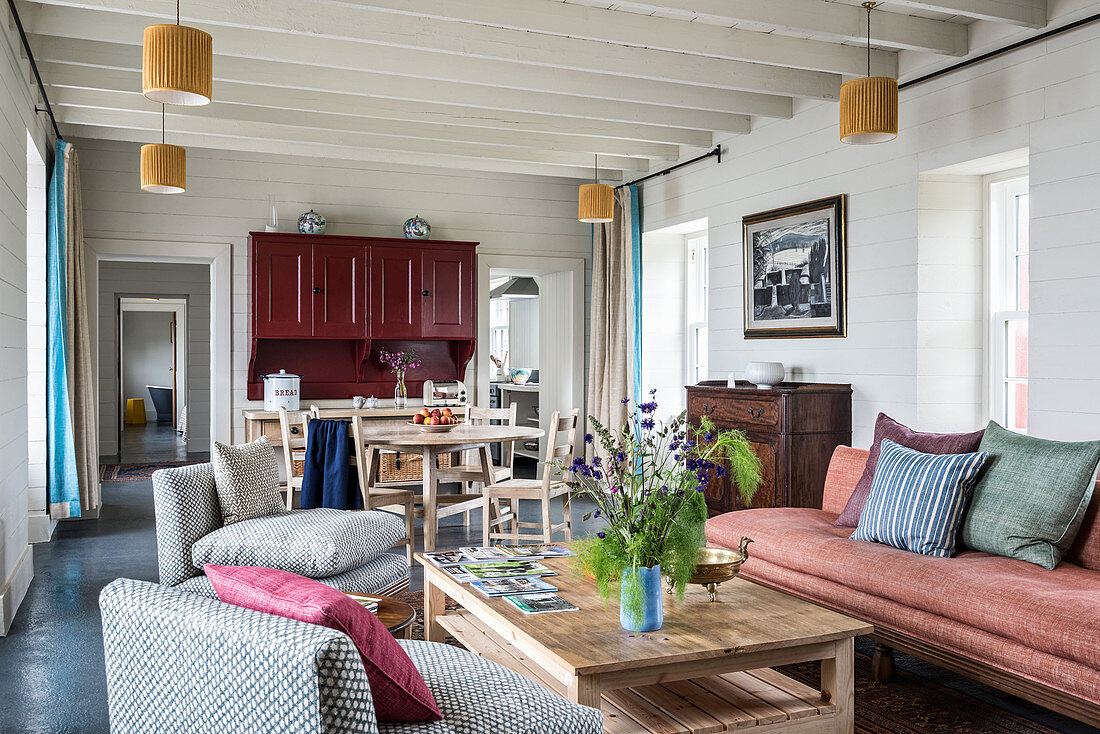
x=51, y=663
x=150, y=443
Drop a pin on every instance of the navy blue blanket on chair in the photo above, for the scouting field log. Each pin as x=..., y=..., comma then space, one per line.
x=328, y=480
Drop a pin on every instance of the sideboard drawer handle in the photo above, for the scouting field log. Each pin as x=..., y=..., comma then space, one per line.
x=756, y=412
x=708, y=409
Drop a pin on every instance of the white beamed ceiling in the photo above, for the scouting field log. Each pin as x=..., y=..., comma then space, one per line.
x=528, y=86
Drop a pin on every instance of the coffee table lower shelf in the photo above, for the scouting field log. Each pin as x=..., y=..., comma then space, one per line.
x=764, y=699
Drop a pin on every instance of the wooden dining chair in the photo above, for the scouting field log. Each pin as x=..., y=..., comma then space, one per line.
x=374, y=498
x=500, y=501
x=470, y=472
x=293, y=435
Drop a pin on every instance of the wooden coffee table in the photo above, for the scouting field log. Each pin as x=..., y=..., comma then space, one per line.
x=708, y=669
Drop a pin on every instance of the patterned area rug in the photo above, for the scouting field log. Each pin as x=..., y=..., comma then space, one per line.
x=907, y=705
x=134, y=472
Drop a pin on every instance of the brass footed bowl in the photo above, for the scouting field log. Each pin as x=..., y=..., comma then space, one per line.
x=716, y=565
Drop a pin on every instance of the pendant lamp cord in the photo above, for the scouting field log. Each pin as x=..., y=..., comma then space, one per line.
x=868, y=6
x=162, y=124
x=596, y=168
x=177, y=12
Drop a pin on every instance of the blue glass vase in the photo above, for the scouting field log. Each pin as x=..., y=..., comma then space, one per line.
x=652, y=614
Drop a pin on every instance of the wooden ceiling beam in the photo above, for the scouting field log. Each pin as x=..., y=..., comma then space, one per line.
x=731, y=117
x=132, y=101
x=431, y=49
x=149, y=123
x=1025, y=13
x=129, y=80
x=833, y=20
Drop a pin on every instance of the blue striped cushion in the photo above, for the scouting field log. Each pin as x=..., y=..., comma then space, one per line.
x=917, y=500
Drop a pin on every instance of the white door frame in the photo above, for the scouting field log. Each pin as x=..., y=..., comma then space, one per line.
x=217, y=256
x=177, y=306
x=533, y=265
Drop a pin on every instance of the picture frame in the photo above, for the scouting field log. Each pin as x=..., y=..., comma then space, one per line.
x=795, y=271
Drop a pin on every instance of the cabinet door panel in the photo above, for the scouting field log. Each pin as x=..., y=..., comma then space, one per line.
x=448, y=309
x=395, y=292
x=284, y=299
x=339, y=291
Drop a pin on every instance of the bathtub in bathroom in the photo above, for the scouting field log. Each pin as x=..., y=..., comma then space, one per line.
x=162, y=402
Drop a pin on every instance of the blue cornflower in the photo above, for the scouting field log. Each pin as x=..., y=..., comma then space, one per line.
x=648, y=407
x=625, y=401
x=601, y=534
x=647, y=423
x=589, y=438
x=596, y=461
x=708, y=437
x=596, y=513
x=721, y=470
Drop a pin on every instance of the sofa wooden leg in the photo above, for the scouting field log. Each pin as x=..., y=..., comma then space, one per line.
x=882, y=664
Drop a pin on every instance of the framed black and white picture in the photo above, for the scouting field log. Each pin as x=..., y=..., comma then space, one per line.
x=794, y=271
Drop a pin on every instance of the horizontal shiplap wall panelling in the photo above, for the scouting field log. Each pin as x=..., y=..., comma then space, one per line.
x=228, y=195
x=1045, y=97
x=17, y=117
x=164, y=280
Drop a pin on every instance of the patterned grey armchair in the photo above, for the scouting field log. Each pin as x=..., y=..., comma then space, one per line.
x=343, y=549
x=182, y=662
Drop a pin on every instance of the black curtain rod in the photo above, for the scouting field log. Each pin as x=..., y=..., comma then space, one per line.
x=34, y=68
x=716, y=152
x=997, y=52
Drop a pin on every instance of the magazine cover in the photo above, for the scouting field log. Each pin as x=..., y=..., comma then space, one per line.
x=458, y=573
x=540, y=603
x=478, y=554
x=506, y=587
x=443, y=559
x=508, y=569
x=550, y=551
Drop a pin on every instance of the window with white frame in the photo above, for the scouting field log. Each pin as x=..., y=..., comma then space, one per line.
x=498, y=327
x=1008, y=299
x=698, y=293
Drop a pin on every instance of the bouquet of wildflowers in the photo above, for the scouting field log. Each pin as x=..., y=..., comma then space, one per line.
x=647, y=481
x=399, y=362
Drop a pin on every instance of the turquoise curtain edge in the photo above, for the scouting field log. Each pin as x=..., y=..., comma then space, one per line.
x=62, y=484
x=636, y=266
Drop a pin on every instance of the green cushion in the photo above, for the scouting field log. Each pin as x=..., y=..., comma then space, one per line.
x=1031, y=500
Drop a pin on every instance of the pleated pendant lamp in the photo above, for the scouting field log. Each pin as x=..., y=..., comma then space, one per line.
x=163, y=166
x=177, y=64
x=596, y=201
x=869, y=106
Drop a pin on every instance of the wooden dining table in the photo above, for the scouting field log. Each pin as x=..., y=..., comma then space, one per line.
x=413, y=440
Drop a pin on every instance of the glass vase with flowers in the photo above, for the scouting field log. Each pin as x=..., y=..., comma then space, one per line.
x=399, y=363
x=647, y=482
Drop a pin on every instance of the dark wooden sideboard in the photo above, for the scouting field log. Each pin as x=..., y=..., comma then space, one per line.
x=793, y=428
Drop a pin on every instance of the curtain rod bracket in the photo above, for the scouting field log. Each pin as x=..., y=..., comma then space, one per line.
x=715, y=152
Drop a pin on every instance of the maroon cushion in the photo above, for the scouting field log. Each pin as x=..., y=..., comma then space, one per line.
x=398, y=690
x=926, y=443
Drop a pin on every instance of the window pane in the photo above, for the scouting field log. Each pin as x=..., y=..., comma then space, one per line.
x=1015, y=417
x=1023, y=278
x=1023, y=215
x=1016, y=349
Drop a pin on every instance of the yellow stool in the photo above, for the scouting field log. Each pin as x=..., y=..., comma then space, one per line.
x=135, y=411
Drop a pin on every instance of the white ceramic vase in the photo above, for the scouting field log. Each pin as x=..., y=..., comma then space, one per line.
x=765, y=375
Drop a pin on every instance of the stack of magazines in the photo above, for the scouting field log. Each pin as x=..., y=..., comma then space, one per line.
x=370, y=602
x=512, y=572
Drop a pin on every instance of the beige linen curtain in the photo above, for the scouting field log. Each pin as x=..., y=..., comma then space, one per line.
x=611, y=322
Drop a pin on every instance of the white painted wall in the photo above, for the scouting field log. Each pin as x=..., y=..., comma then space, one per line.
x=523, y=333
x=154, y=279
x=17, y=116
x=1045, y=97
x=228, y=196
x=146, y=355
x=39, y=525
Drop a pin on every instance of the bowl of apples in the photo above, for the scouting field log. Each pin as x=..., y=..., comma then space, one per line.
x=435, y=420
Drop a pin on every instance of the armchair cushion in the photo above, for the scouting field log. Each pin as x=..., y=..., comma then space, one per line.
x=186, y=504
x=386, y=575
x=398, y=690
x=476, y=696
x=312, y=543
x=247, y=479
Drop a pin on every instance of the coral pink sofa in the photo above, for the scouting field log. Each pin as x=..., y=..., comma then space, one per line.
x=1008, y=623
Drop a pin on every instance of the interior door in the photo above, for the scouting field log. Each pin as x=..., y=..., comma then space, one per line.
x=284, y=290
x=449, y=307
x=339, y=291
x=395, y=289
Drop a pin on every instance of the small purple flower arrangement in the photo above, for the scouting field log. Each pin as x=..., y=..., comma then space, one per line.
x=399, y=362
x=647, y=481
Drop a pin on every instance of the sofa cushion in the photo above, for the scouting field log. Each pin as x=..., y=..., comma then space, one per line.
x=476, y=696
x=917, y=500
x=928, y=443
x=247, y=480
x=386, y=575
x=1053, y=611
x=398, y=690
x=1085, y=550
x=313, y=543
x=1031, y=500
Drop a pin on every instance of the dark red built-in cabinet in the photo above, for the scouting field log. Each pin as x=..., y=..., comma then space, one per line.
x=323, y=306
